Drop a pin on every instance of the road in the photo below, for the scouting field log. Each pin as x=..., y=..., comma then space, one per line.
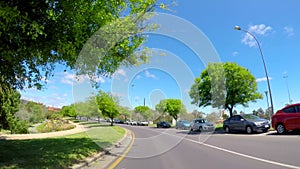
x=171, y=148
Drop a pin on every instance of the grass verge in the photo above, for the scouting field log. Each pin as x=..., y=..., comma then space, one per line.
x=60, y=152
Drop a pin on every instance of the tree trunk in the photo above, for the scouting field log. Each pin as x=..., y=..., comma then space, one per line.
x=230, y=111
x=112, y=122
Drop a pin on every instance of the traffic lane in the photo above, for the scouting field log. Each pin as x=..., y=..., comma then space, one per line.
x=280, y=149
x=151, y=142
x=190, y=154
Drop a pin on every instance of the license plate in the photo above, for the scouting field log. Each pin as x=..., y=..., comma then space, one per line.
x=266, y=126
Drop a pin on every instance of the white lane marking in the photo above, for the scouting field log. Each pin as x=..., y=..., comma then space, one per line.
x=240, y=154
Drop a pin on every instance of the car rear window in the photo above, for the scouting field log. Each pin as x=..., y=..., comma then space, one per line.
x=289, y=110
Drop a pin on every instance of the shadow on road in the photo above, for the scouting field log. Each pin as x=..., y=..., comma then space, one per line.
x=290, y=133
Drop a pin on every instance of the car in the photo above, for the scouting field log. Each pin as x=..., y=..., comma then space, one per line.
x=142, y=123
x=183, y=124
x=132, y=122
x=287, y=119
x=201, y=124
x=163, y=124
x=247, y=122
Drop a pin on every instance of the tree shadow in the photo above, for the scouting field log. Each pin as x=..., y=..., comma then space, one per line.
x=46, y=153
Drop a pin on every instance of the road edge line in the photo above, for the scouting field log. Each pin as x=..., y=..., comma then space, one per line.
x=116, y=162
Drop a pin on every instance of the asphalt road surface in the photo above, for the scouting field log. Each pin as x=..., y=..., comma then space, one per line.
x=178, y=149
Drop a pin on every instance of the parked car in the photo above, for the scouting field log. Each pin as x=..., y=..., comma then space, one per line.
x=247, y=122
x=288, y=118
x=163, y=124
x=142, y=123
x=118, y=121
x=183, y=124
x=201, y=124
x=132, y=122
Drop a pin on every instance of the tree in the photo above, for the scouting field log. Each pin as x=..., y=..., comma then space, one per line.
x=145, y=111
x=9, y=105
x=171, y=106
x=224, y=85
x=68, y=111
x=197, y=114
x=124, y=111
x=36, y=35
x=161, y=106
x=213, y=117
x=107, y=105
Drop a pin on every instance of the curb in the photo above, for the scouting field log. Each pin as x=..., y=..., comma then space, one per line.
x=89, y=160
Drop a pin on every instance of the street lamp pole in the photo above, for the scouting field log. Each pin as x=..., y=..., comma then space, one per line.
x=263, y=60
x=266, y=92
x=132, y=85
x=286, y=76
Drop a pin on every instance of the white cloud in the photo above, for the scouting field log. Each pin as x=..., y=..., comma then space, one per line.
x=149, y=75
x=261, y=29
x=262, y=79
x=235, y=53
x=289, y=31
x=120, y=72
x=69, y=78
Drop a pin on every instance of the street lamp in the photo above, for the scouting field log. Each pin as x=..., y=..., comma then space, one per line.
x=263, y=60
x=132, y=85
x=266, y=92
x=287, y=86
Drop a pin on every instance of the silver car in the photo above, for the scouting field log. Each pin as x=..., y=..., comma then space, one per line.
x=183, y=124
x=201, y=124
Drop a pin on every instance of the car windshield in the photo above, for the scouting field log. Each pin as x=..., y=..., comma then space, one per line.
x=185, y=121
x=251, y=117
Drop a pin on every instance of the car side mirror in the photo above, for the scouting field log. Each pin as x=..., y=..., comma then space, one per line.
x=242, y=119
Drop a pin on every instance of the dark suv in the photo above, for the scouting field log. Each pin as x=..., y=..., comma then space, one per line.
x=247, y=122
x=288, y=118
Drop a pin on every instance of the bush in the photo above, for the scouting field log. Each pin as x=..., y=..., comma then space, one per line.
x=17, y=126
x=55, y=125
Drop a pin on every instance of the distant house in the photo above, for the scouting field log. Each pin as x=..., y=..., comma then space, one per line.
x=53, y=109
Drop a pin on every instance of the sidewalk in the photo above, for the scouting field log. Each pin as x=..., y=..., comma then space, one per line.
x=106, y=159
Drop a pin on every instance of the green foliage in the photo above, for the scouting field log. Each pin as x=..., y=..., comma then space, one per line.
x=107, y=105
x=171, y=106
x=224, y=85
x=31, y=112
x=145, y=111
x=9, y=105
x=124, y=112
x=68, y=111
x=161, y=106
x=35, y=35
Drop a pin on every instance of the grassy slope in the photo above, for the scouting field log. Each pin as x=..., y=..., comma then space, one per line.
x=59, y=152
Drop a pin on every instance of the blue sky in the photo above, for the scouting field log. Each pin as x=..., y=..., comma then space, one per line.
x=176, y=61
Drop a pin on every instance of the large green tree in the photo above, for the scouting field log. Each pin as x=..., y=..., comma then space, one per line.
x=108, y=105
x=171, y=106
x=37, y=34
x=224, y=85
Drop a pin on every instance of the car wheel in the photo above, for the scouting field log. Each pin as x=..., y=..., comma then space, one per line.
x=280, y=129
x=249, y=129
x=227, y=129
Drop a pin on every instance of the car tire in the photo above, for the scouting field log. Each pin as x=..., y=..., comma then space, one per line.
x=227, y=129
x=280, y=129
x=249, y=130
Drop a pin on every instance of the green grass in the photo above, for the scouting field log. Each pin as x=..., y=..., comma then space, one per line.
x=60, y=152
x=219, y=126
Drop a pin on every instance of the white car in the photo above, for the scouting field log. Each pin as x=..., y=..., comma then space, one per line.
x=201, y=125
x=132, y=122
